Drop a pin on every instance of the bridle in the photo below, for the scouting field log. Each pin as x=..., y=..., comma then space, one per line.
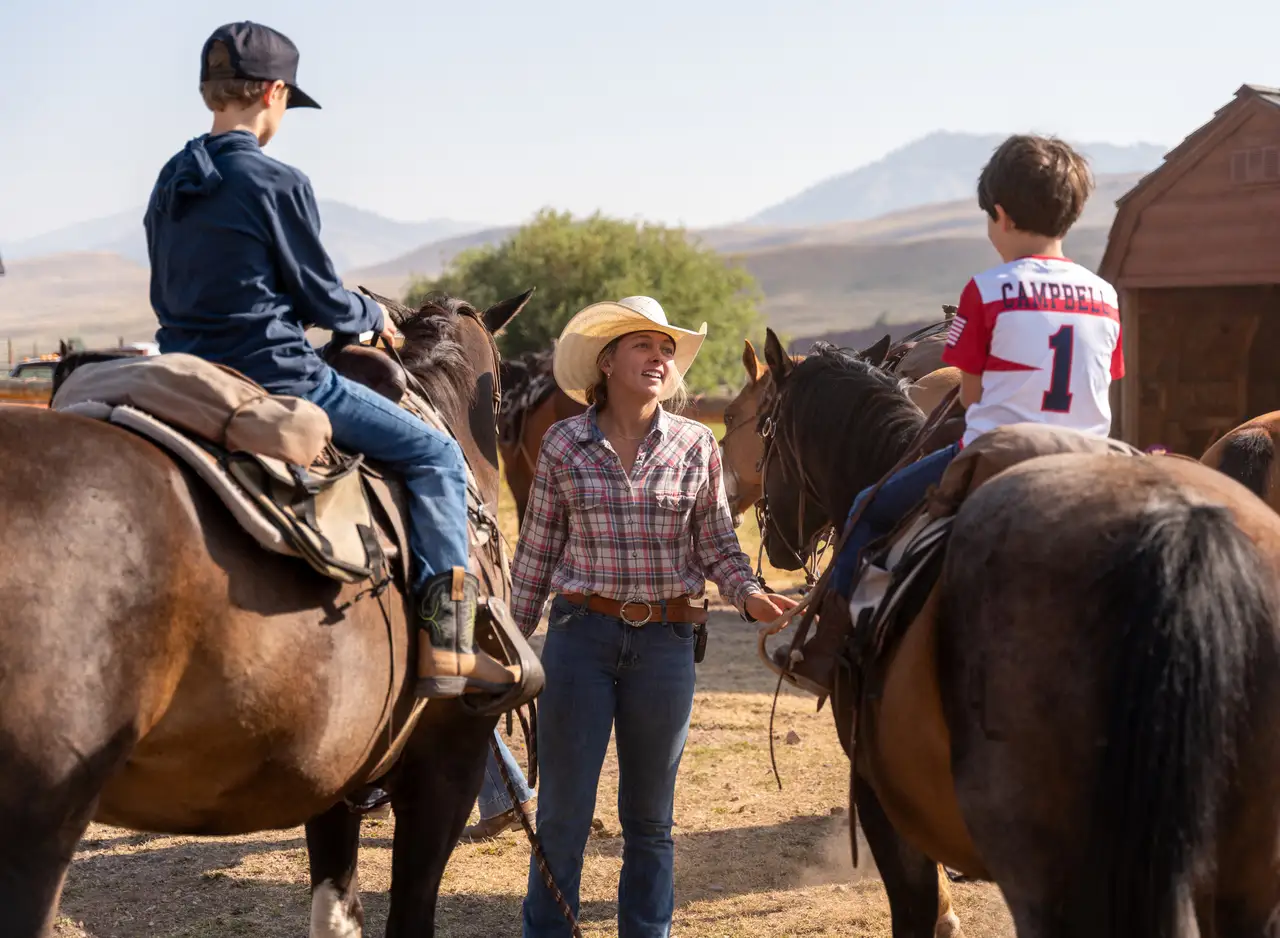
x=728, y=470
x=775, y=439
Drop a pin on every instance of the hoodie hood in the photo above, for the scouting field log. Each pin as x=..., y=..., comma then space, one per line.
x=192, y=174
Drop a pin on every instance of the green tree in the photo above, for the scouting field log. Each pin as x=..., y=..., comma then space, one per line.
x=576, y=263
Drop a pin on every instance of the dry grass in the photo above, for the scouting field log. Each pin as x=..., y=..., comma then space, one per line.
x=750, y=860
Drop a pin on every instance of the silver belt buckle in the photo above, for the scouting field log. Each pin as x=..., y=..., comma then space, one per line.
x=636, y=623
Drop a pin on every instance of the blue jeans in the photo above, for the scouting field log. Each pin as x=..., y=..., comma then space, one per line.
x=899, y=494
x=430, y=461
x=603, y=674
x=493, y=793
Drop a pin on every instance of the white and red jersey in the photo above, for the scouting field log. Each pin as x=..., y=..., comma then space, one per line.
x=1044, y=333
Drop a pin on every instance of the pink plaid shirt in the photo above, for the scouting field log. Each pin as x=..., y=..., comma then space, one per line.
x=660, y=534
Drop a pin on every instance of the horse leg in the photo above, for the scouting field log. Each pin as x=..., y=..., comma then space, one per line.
x=333, y=847
x=441, y=771
x=46, y=802
x=919, y=895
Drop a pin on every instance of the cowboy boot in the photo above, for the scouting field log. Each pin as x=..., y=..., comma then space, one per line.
x=814, y=669
x=489, y=828
x=449, y=663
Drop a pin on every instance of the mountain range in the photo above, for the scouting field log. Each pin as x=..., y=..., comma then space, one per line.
x=939, y=167
x=888, y=243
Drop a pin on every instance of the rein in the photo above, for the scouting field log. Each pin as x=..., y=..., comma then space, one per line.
x=815, y=548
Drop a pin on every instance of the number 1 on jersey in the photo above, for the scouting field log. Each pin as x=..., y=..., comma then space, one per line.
x=1058, y=397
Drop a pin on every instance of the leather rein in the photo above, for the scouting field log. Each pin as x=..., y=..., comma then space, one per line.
x=771, y=430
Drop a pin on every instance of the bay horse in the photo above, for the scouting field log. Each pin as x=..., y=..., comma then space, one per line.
x=742, y=446
x=160, y=671
x=1247, y=454
x=1100, y=685
x=531, y=403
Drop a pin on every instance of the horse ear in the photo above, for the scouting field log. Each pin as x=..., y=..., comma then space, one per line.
x=780, y=362
x=755, y=368
x=499, y=314
x=875, y=355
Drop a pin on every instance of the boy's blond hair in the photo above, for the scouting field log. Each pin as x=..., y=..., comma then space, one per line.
x=1040, y=182
x=218, y=93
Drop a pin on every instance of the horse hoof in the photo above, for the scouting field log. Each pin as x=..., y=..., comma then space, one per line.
x=948, y=927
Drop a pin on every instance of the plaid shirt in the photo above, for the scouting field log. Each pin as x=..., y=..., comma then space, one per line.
x=660, y=534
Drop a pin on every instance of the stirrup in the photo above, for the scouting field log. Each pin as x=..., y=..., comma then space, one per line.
x=515, y=648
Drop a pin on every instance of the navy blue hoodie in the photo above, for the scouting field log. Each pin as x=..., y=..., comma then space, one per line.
x=237, y=269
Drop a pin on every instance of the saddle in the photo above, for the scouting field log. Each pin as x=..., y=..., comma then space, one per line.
x=269, y=458
x=904, y=565
x=529, y=382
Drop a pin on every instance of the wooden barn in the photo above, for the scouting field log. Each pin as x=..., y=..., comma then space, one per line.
x=1195, y=254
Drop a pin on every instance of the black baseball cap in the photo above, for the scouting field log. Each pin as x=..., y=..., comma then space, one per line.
x=258, y=53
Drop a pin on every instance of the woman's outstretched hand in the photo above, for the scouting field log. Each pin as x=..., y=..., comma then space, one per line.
x=766, y=607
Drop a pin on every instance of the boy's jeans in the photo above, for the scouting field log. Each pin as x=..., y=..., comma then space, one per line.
x=899, y=494
x=638, y=681
x=494, y=799
x=431, y=462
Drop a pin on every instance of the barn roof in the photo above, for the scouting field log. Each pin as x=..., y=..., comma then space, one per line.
x=1177, y=162
x=1244, y=94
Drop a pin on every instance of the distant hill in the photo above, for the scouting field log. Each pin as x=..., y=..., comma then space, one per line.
x=392, y=277
x=353, y=236
x=99, y=296
x=892, y=271
x=813, y=289
x=940, y=167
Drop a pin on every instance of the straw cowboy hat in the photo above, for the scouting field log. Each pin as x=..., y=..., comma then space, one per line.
x=588, y=332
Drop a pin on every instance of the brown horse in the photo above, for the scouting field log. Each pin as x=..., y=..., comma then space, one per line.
x=742, y=446
x=160, y=671
x=531, y=403
x=1248, y=455
x=1089, y=714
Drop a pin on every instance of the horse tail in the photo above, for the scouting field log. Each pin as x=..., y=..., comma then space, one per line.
x=1247, y=457
x=1186, y=598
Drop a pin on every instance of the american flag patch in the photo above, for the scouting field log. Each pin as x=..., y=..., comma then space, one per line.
x=957, y=327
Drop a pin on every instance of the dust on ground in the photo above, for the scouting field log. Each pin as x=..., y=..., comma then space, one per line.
x=750, y=860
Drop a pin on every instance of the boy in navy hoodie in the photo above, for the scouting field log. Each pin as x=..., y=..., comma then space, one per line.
x=237, y=276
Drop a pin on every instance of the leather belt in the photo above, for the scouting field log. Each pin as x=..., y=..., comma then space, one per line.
x=639, y=612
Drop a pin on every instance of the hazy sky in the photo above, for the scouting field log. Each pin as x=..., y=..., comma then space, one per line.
x=686, y=111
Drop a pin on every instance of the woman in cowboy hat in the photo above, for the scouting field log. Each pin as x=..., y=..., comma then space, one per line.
x=627, y=519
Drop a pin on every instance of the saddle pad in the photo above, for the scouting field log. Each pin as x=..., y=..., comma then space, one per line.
x=881, y=590
x=273, y=532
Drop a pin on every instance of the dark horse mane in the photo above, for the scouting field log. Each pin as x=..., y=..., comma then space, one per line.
x=834, y=395
x=434, y=355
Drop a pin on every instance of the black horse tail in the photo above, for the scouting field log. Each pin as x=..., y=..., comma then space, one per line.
x=1247, y=458
x=1187, y=598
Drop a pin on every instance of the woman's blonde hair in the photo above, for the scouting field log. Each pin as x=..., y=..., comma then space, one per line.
x=598, y=393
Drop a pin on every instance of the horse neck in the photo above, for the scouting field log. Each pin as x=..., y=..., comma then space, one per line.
x=870, y=437
x=477, y=428
x=471, y=420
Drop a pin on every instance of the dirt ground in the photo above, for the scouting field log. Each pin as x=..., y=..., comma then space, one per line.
x=750, y=860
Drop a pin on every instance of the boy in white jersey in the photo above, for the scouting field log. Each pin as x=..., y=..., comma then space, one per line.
x=1036, y=339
